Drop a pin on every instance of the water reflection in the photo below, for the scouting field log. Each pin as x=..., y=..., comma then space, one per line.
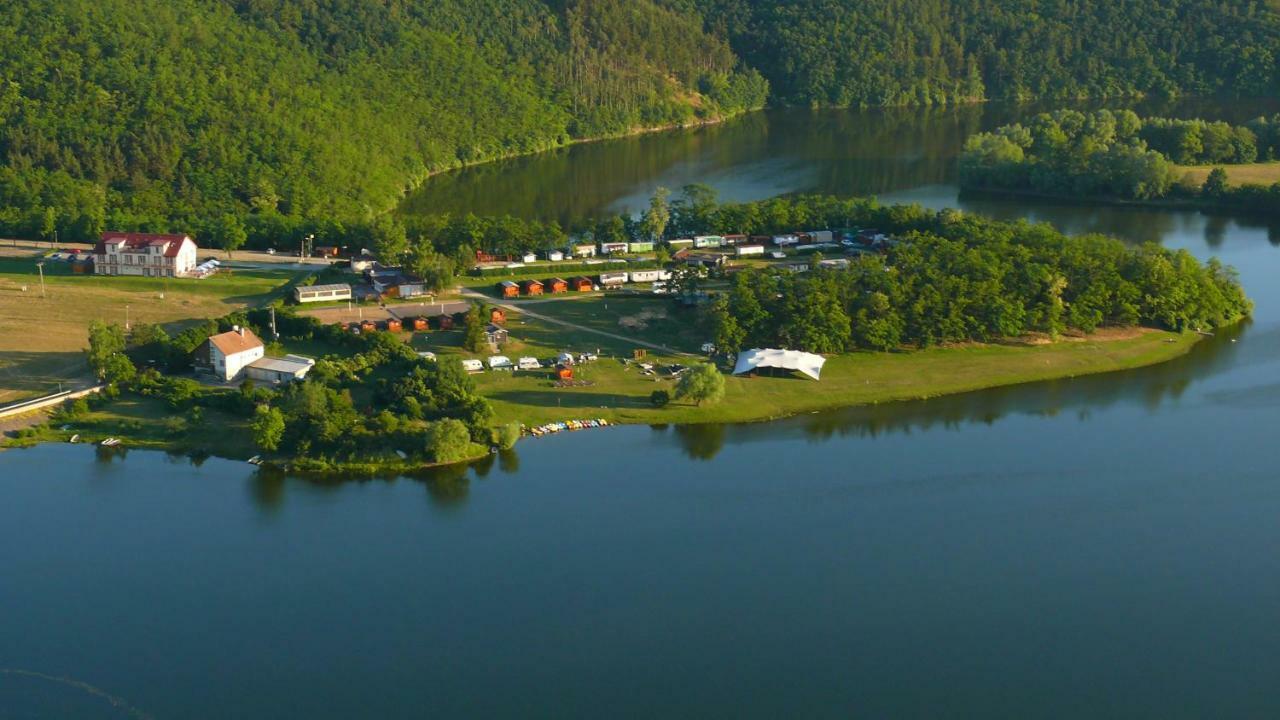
x=1148, y=387
x=873, y=152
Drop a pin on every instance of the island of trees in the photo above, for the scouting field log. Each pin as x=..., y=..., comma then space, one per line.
x=1119, y=155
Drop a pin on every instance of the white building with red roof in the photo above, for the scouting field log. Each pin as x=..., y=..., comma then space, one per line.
x=226, y=355
x=145, y=254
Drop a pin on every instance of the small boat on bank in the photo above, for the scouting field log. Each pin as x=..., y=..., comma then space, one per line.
x=110, y=442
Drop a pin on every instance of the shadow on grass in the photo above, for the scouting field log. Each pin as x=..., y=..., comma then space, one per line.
x=24, y=373
x=570, y=399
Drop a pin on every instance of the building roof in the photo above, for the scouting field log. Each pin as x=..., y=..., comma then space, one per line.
x=234, y=342
x=804, y=362
x=292, y=364
x=324, y=288
x=138, y=241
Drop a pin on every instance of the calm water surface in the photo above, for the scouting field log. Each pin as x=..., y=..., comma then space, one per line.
x=1105, y=546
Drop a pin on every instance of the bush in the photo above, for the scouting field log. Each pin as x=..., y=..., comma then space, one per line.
x=507, y=436
x=659, y=398
x=447, y=441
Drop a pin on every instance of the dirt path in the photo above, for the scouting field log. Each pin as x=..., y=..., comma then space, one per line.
x=522, y=309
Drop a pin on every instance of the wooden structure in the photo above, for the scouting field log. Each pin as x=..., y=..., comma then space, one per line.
x=446, y=322
x=531, y=287
x=368, y=326
x=556, y=285
x=508, y=289
x=580, y=283
x=564, y=372
x=419, y=324
x=497, y=316
x=394, y=325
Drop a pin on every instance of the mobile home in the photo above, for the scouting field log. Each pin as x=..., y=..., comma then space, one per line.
x=643, y=276
x=613, y=279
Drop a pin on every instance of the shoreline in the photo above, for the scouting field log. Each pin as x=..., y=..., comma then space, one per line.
x=1184, y=204
x=1156, y=347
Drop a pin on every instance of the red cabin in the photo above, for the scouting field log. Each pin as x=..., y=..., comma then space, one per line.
x=508, y=289
x=419, y=324
x=497, y=316
x=446, y=322
x=531, y=287
x=556, y=285
x=394, y=326
x=581, y=284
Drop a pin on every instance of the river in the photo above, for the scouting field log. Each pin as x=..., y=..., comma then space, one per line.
x=1103, y=546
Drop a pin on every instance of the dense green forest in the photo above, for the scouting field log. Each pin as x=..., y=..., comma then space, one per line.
x=1120, y=155
x=891, y=52
x=216, y=116
x=952, y=277
x=161, y=114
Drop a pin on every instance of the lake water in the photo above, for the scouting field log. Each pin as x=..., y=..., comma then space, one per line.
x=1104, y=546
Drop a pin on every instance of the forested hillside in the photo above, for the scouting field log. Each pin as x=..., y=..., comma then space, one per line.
x=159, y=114
x=892, y=52
x=214, y=116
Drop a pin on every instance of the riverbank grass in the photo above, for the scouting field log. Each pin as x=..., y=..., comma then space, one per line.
x=621, y=393
x=1237, y=175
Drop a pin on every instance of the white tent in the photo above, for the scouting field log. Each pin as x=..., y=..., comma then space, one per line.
x=804, y=362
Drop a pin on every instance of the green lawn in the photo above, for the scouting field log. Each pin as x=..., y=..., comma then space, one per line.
x=644, y=317
x=143, y=423
x=621, y=394
x=1264, y=173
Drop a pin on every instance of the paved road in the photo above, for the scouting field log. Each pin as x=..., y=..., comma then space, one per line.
x=523, y=310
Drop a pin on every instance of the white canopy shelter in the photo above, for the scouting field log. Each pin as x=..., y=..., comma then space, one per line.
x=804, y=362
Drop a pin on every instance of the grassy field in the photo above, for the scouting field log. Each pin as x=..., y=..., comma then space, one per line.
x=621, y=392
x=145, y=424
x=1250, y=174
x=644, y=317
x=41, y=338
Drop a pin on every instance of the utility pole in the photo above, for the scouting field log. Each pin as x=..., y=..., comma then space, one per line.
x=126, y=317
x=274, y=334
x=40, y=267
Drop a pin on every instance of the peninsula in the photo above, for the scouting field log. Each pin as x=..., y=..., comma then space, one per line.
x=435, y=351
